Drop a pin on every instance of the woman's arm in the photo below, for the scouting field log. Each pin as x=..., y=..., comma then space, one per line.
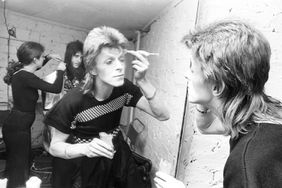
x=56, y=87
x=95, y=148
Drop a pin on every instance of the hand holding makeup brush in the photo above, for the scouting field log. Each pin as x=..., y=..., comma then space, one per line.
x=140, y=64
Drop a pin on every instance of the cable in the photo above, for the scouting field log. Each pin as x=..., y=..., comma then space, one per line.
x=8, y=55
x=5, y=19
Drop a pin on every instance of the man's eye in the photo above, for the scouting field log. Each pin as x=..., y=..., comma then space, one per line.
x=109, y=62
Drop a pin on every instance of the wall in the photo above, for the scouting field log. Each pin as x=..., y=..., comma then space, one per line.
x=52, y=35
x=202, y=157
x=167, y=72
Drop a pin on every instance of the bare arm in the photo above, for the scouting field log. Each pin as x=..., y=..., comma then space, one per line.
x=154, y=106
x=151, y=103
x=59, y=147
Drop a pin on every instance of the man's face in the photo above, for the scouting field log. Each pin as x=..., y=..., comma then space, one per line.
x=199, y=89
x=110, y=67
x=76, y=59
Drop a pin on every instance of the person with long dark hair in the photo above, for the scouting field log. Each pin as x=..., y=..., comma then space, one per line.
x=75, y=70
x=17, y=127
x=73, y=76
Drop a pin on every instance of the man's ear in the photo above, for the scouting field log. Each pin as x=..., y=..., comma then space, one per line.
x=217, y=89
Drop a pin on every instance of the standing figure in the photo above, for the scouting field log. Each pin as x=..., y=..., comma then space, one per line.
x=73, y=76
x=229, y=66
x=16, y=129
x=78, y=120
x=75, y=70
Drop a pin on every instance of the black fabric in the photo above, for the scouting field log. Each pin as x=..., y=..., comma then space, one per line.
x=65, y=172
x=17, y=137
x=108, y=112
x=25, y=87
x=105, y=116
x=255, y=159
x=123, y=171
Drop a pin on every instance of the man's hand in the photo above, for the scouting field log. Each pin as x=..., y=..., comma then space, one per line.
x=163, y=180
x=99, y=148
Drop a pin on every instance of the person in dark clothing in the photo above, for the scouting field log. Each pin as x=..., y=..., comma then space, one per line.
x=229, y=66
x=75, y=70
x=16, y=129
x=78, y=120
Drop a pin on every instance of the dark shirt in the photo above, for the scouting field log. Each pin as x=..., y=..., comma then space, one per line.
x=103, y=115
x=255, y=159
x=25, y=87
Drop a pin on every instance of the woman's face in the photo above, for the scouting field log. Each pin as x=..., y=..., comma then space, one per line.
x=199, y=89
x=76, y=59
x=110, y=67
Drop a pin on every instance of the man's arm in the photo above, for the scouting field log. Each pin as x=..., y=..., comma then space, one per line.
x=151, y=102
x=95, y=148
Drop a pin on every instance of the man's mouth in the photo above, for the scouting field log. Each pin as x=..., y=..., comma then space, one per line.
x=119, y=76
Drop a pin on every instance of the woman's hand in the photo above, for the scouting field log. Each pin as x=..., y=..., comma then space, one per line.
x=163, y=180
x=61, y=66
x=141, y=64
x=99, y=148
x=56, y=57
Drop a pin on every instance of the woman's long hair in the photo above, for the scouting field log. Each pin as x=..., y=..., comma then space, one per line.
x=236, y=58
x=26, y=54
x=71, y=49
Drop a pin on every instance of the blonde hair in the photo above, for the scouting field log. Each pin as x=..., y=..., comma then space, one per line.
x=236, y=57
x=96, y=40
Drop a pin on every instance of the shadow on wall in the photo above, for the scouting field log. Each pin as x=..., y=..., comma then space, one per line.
x=135, y=135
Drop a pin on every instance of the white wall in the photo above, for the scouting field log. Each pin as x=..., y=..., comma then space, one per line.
x=167, y=73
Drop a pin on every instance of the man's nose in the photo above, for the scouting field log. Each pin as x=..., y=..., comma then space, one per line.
x=119, y=64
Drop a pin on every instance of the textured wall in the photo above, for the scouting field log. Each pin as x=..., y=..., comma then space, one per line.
x=52, y=35
x=167, y=73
